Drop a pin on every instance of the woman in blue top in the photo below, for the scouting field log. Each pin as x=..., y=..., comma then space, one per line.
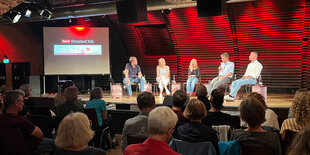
x=193, y=74
x=100, y=106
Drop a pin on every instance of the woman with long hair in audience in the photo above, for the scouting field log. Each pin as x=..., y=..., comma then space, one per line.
x=163, y=76
x=195, y=131
x=254, y=136
x=73, y=136
x=300, y=112
x=193, y=74
x=270, y=116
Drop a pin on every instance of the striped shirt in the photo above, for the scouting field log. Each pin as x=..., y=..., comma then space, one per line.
x=290, y=124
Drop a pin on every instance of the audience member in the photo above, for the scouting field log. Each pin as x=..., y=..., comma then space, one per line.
x=3, y=90
x=60, y=98
x=179, y=99
x=29, y=103
x=138, y=125
x=201, y=93
x=214, y=115
x=270, y=116
x=300, y=111
x=99, y=105
x=71, y=105
x=301, y=143
x=73, y=136
x=13, y=103
x=301, y=90
x=160, y=130
x=195, y=131
x=253, y=113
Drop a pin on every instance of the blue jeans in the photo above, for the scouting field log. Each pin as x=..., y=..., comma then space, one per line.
x=134, y=80
x=235, y=86
x=190, y=84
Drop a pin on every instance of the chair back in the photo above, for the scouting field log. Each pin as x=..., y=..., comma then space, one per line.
x=189, y=148
x=135, y=140
x=256, y=151
x=289, y=136
x=44, y=123
x=42, y=110
x=91, y=113
x=223, y=131
x=12, y=142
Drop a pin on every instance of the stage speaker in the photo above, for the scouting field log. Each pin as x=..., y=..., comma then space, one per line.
x=131, y=11
x=208, y=8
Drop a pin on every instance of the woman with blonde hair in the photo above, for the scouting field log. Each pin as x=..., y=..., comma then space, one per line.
x=300, y=112
x=73, y=135
x=193, y=74
x=163, y=76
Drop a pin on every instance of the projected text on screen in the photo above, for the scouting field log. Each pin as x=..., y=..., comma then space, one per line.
x=77, y=49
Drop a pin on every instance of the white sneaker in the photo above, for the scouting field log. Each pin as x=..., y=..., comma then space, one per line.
x=160, y=96
x=167, y=92
x=226, y=97
x=230, y=98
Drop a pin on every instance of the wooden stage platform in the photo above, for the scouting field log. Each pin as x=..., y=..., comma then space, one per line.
x=273, y=100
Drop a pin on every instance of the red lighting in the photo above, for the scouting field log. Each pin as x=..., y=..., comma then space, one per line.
x=79, y=28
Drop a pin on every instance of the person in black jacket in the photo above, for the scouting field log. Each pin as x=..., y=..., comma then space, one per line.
x=195, y=131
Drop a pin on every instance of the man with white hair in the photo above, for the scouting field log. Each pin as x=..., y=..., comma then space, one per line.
x=133, y=75
x=250, y=77
x=161, y=123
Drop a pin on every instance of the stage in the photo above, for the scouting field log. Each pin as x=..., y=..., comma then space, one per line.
x=273, y=100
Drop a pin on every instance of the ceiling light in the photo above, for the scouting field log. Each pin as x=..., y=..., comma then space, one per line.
x=14, y=16
x=46, y=14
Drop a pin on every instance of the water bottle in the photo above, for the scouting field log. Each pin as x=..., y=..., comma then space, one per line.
x=173, y=80
x=260, y=82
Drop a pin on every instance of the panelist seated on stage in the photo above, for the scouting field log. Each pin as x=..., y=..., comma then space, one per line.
x=193, y=75
x=250, y=77
x=226, y=71
x=133, y=75
x=162, y=76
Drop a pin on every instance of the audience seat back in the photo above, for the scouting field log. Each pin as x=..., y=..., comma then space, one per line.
x=189, y=148
x=256, y=151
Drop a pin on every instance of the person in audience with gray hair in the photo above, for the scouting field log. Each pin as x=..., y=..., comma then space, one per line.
x=161, y=123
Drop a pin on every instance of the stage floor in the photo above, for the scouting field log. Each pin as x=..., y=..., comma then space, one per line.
x=273, y=100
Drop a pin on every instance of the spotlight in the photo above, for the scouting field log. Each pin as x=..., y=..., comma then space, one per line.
x=46, y=14
x=28, y=13
x=14, y=16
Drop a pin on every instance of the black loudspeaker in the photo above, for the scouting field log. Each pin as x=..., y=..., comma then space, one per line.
x=168, y=101
x=131, y=11
x=208, y=8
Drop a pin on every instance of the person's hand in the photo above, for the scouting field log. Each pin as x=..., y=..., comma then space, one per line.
x=244, y=77
x=221, y=77
x=127, y=81
x=220, y=68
